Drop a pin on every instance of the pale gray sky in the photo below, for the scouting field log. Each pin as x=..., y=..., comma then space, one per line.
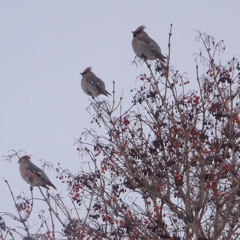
x=44, y=45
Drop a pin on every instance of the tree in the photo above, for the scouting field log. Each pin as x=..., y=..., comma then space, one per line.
x=166, y=168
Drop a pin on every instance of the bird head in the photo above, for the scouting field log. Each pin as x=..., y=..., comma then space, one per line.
x=24, y=159
x=138, y=30
x=86, y=71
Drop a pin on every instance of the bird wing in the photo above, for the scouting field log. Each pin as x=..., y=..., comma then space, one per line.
x=149, y=42
x=38, y=172
x=98, y=84
x=157, y=52
x=156, y=49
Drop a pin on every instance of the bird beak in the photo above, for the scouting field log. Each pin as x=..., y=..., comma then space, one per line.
x=81, y=74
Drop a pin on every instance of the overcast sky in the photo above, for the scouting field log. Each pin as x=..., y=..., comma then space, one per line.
x=44, y=45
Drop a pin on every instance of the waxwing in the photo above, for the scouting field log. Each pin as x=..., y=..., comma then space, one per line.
x=32, y=174
x=91, y=84
x=145, y=47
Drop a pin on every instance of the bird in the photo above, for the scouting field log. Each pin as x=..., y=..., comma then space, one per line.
x=32, y=174
x=91, y=84
x=145, y=47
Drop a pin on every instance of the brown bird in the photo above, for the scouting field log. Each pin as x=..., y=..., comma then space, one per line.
x=92, y=85
x=145, y=47
x=32, y=174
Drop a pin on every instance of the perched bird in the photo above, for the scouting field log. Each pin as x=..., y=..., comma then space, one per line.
x=92, y=85
x=145, y=47
x=32, y=174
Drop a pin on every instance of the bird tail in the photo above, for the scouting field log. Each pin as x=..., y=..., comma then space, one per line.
x=162, y=58
x=53, y=186
x=105, y=92
x=49, y=184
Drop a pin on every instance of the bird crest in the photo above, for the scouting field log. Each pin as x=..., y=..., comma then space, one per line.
x=86, y=70
x=24, y=158
x=139, y=29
